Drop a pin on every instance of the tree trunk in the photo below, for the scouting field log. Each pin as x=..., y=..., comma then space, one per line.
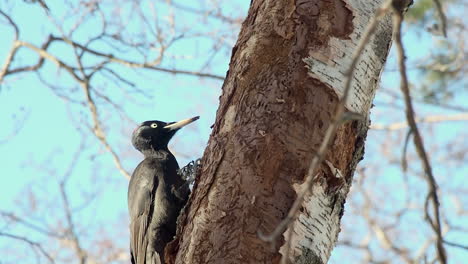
x=285, y=79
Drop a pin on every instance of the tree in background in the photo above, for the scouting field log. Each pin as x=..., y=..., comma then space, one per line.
x=111, y=74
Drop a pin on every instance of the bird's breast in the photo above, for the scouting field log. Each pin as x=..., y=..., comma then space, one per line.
x=164, y=204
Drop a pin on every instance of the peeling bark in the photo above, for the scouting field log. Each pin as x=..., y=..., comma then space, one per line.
x=285, y=78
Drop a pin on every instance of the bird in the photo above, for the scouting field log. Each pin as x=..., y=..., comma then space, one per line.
x=156, y=192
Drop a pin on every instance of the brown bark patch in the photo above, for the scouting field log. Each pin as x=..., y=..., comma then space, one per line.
x=342, y=20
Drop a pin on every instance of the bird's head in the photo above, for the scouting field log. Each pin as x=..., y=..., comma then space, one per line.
x=155, y=135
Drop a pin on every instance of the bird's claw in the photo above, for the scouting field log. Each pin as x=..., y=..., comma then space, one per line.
x=189, y=171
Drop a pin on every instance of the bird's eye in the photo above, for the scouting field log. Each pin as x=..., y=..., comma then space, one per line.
x=154, y=125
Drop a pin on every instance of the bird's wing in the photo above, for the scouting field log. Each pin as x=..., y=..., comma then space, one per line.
x=140, y=195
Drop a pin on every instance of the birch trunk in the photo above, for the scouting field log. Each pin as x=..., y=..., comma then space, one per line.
x=286, y=76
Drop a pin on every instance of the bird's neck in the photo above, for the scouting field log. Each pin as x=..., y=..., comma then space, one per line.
x=162, y=153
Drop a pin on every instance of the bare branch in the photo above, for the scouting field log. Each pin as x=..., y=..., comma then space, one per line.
x=33, y=67
x=147, y=65
x=97, y=129
x=432, y=195
x=44, y=54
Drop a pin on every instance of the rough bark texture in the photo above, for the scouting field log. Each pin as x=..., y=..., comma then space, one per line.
x=278, y=99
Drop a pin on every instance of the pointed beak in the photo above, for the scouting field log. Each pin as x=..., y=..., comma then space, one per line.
x=181, y=123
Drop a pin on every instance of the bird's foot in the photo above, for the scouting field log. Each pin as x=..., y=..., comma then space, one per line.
x=189, y=171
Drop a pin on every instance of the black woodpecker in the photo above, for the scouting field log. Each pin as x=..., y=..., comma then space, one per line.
x=156, y=193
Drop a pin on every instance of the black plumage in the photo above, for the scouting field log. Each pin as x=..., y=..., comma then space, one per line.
x=156, y=193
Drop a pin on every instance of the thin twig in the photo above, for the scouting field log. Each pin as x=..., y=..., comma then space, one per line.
x=81, y=254
x=11, y=55
x=443, y=19
x=214, y=13
x=455, y=245
x=404, y=162
x=71, y=230
x=31, y=243
x=445, y=106
x=426, y=119
x=32, y=226
x=12, y=23
x=432, y=195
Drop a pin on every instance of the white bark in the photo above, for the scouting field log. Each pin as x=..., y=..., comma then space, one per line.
x=330, y=66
